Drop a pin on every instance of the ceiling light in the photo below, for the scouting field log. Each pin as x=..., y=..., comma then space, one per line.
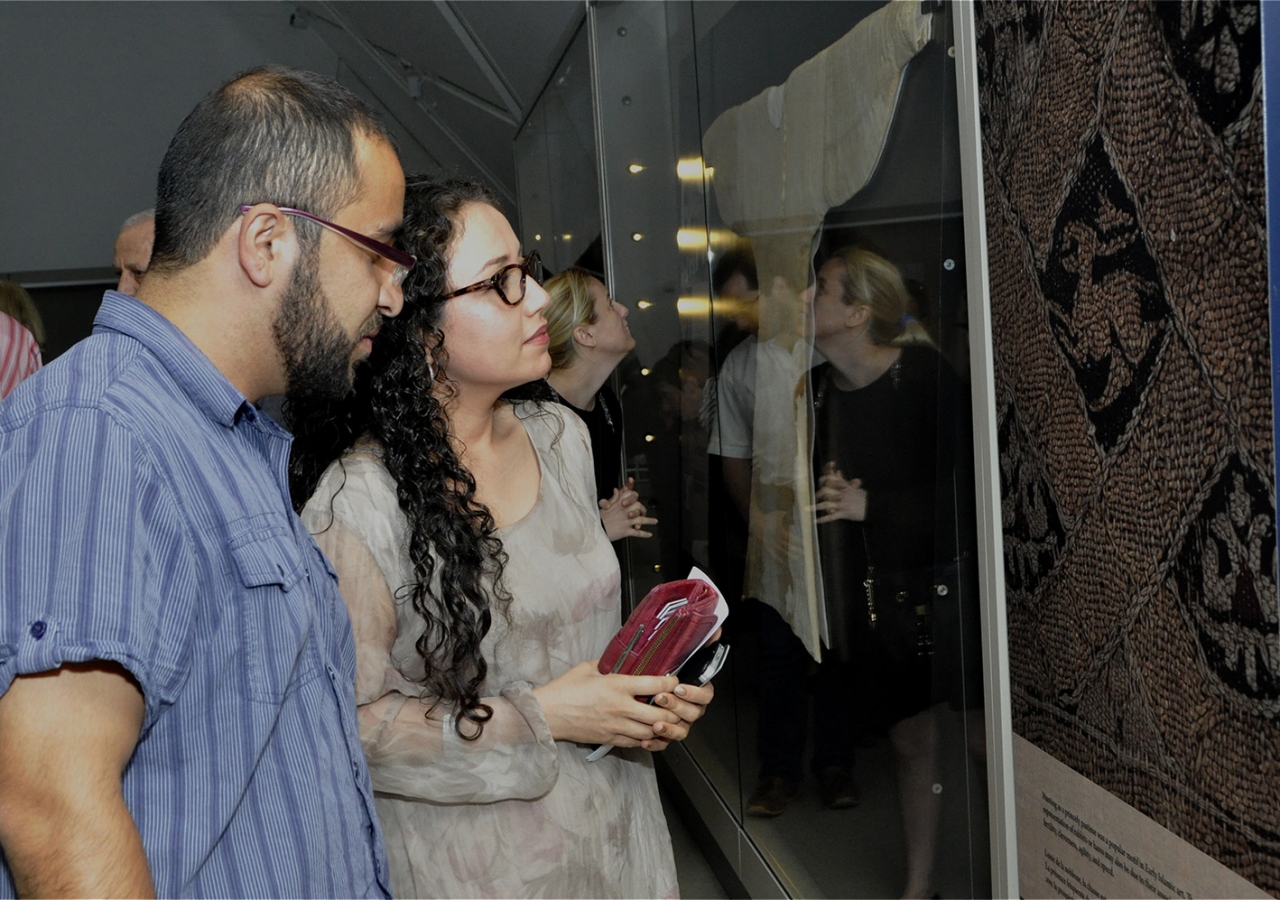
x=635, y=168
x=637, y=236
x=693, y=170
x=693, y=306
x=644, y=371
x=695, y=239
x=643, y=304
x=691, y=239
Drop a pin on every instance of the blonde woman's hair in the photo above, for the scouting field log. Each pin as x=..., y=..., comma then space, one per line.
x=15, y=301
x=570, y=306
x=873, y=281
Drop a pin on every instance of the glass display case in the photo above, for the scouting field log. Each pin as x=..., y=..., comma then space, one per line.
x=779, y=207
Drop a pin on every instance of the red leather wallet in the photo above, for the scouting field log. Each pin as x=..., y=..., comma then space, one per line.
x=664, y=630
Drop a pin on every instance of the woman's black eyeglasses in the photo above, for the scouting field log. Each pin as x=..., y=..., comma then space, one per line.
x=509, y=281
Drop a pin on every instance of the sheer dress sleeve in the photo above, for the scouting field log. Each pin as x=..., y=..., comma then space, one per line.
x=415, y=751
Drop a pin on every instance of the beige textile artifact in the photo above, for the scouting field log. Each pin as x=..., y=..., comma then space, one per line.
x=781, y=160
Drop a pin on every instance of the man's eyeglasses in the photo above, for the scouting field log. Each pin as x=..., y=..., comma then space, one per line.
x=509, y=281
x=403, y=261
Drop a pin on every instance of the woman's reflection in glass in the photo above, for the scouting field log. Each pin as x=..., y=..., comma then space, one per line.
x=876, y=467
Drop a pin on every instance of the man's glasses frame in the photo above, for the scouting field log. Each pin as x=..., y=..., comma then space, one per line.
x=529, y=267
x=403, y=261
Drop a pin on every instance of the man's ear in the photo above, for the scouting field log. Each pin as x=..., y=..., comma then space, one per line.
x=582, y=335
x=267, y=243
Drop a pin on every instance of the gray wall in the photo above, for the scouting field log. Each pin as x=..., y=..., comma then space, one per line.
x=90, y=94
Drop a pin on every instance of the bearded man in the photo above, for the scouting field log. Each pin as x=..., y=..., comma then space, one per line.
x=176, y=665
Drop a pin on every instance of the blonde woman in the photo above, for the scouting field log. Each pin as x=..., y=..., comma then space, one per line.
x=884, y=460
x=589, y=336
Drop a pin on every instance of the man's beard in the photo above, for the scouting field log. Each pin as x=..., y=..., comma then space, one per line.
x=315, y=349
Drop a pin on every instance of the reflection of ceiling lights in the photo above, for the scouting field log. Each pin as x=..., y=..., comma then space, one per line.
x=693, y=170
x=637, y=236
x=691, y=239
x=566, y=237
x=635, y=168
x=729, y=306
x=696, y=238
x=644, y=371
x=648, y=438
x=537, y=237
x=643, y=304
x=699, y=307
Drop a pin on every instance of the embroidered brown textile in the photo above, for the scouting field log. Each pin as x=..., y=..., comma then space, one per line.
x=1125, y=200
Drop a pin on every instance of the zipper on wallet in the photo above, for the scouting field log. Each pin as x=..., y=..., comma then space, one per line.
x=655, y=643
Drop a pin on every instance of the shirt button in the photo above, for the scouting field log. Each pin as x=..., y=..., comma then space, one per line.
x=37, y=630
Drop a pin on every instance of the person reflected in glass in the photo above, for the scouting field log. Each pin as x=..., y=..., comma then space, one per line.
x=588, y=336
x=876, y=461
x=665, y=404
x=464, y=529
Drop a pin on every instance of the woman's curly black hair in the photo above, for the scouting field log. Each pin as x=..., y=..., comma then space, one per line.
x=452, y=546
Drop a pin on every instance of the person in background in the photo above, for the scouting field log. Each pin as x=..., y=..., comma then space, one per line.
x=16, y=302
x=787, y=678
x=19, y=353
x=886, y=535
x=133, y=250
x=589, y=336
x=464, y=528
x=177, y=673
x=666, y=405
x=728, y=407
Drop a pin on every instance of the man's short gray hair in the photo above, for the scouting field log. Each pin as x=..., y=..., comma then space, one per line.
x=138, y=218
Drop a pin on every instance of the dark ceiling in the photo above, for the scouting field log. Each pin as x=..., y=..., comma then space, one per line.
x=460, y=77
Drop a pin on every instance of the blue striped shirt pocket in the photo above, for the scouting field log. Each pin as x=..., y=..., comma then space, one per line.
x=278, y=613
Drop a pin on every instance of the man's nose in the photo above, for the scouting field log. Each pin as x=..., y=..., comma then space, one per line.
x=391, y=298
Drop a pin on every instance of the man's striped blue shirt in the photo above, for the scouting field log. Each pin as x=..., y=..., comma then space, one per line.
x=145, y=519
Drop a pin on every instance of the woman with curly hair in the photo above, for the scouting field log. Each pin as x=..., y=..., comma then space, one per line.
x=463, y=526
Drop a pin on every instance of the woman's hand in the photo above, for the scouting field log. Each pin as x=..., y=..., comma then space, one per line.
x=689, y=702
x=584, y=706
x=838, y=498
x=623, y=514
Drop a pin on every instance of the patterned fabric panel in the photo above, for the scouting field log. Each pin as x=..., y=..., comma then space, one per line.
x=1123, y=161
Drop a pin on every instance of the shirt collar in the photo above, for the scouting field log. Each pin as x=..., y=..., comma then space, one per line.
x=194, y=372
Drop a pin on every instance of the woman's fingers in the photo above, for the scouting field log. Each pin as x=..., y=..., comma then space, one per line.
x=646, y=685
x=688, y=701
x=638, y=527
x=590, y=708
